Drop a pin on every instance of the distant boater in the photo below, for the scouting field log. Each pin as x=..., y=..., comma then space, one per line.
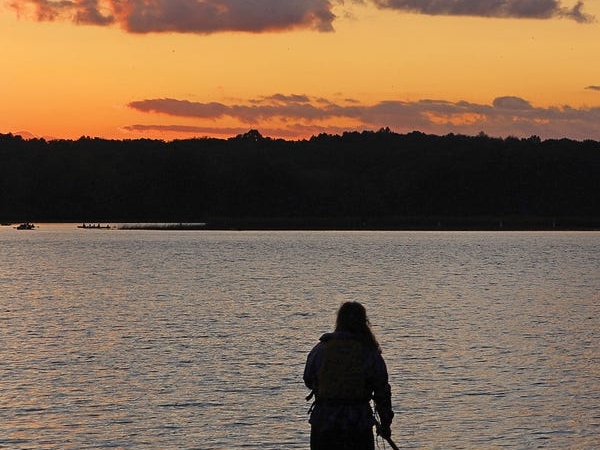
x=344, y=371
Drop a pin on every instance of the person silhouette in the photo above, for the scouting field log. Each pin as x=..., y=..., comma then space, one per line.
x=344, y=371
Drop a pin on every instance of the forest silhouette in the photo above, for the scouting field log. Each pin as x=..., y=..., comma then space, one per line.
x=357, y=180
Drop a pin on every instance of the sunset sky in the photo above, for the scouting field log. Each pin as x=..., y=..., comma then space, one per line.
x=170, y=69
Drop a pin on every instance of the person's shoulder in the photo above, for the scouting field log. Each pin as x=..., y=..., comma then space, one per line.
x=327, y=337
x=338, y=335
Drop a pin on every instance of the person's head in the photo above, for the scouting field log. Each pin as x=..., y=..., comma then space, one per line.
x=352, y=318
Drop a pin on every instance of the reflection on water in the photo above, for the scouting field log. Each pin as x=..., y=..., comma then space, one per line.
x=197, y=340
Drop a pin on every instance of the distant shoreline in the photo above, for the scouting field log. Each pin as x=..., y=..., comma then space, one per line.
x=358, y=224
x=408, y=224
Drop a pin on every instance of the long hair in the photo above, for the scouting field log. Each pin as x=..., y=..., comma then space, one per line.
x=352, y=318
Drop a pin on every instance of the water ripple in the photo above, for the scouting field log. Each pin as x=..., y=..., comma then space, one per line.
x=197, y=340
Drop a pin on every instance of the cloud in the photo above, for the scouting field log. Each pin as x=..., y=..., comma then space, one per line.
x=525, y=9
x=182, y=108
x=186, y=16
x=593, y=88
x=79, y=11
x=511, y=103
x=265, y=108
x=301, y=116
x=256, y=16
x=191, y=129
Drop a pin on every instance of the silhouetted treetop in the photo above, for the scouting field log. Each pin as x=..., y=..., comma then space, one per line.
x=252, y=136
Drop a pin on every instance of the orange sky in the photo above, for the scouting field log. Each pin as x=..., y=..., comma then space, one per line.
x=298, y=67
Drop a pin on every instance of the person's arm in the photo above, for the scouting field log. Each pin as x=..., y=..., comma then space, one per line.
x=311, y=368
x=382, y=395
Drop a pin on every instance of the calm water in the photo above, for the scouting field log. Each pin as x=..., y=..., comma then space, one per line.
x=197, y=340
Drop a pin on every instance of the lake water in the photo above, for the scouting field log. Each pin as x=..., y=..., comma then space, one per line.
x=197, y=339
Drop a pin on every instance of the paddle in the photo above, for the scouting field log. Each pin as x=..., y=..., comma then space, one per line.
x=388, y=439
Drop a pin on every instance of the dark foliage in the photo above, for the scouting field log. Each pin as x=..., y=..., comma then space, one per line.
x=356, y=180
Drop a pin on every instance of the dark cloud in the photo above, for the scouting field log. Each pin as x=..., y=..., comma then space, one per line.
x=511, y=103
x=212, y=16
x=526, y=9
x=89, y=13
x=289, y=98
x=302, y=116
x=261, y=109
x=593, y=88
x=182, y=108
x=192, y=16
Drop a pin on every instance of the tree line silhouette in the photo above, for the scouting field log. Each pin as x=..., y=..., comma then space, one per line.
x=371, y=180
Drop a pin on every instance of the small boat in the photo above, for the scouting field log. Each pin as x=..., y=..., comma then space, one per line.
x=25, y=226
x=91, y=226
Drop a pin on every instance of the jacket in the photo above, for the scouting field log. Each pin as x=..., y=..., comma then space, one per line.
x=344, y=402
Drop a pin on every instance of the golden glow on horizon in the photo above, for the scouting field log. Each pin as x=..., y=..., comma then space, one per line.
x=65, y=80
